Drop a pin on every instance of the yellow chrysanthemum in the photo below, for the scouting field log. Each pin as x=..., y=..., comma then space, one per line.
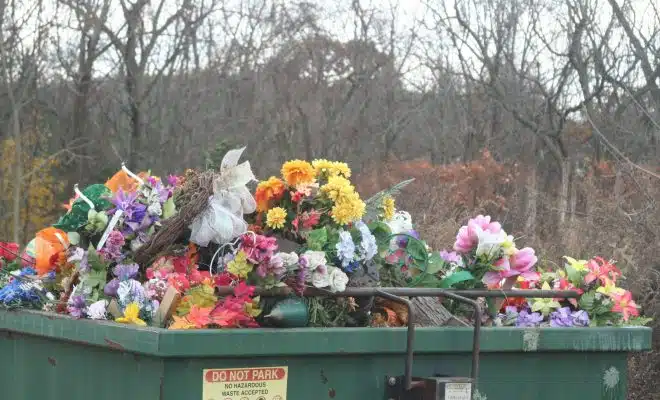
x=388, y=207
x=348, y=208
x=337, y=188
x=239, y=266
x=276, y=218
x=298, y=172
x=331, y=168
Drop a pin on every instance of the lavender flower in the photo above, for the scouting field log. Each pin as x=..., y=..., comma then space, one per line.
x=126, y=271
x=580, y=318
x=561, y=318
x=111, y=287
x=76, y=306
x=345, y=248
x=452, y=257
x=97, y=310
x=130, y=291
x=528, y=320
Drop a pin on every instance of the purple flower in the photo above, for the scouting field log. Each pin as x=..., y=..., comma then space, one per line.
x=528, y=320
x=580, y=318
x=172, y=180
x=561, y=318
x=125, y=271
x=452, y=257
x=402, y=240
x=76, y=306
x=111, y=250
x=111, y=287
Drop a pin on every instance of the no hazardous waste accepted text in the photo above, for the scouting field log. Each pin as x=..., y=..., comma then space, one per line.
x=266, y=383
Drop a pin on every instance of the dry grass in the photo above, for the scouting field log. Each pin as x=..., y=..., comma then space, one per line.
x=615, y=217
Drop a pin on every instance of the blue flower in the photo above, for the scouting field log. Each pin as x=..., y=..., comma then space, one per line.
x=345, y=249
x=368, y=245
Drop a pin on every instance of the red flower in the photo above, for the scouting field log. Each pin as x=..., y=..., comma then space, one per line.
x=8, y=251
x=297, y=196
x=225, y=279
x=624, y=304
x=601, y=270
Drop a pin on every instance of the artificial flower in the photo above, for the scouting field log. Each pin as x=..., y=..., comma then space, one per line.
x=345, y=248
x=331, y=168
x=268, y=191
x=240, y=266
x=181, y=323
x=199, y=316
x=312, y=259
x=258, y=248
x=8, y=251
x=528, y=319
x=601, y=270
x=337, y=279
x=401, y=222
x=297, y=172
x=489, y=243
x=388, y=207
x=276, y=218
x=321, y=277
x=467, y=237
x=610, y=289
x=624, y=304
x=545, y=306
x=131, y=315
x=348, y=209
x=337, y=188
x=578, y=265
x=98, y=310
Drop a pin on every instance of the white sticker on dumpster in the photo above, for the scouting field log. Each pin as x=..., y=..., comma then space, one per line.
x=458, y=391
x=266, y=383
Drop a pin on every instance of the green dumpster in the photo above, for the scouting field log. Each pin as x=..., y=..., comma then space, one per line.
x=45, y=356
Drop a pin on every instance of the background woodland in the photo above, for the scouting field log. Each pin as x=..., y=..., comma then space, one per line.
x=543, y=114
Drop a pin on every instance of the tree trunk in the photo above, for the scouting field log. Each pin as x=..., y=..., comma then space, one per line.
x=564, y=191
x=18, y=174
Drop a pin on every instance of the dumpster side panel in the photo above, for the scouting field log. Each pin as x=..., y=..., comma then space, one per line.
x=504, y=376
x=33, y=367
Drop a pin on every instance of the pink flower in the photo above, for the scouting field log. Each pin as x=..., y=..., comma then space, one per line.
x=467, y=238
x=522, y=261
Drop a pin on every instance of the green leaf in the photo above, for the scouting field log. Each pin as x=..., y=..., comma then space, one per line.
x=96, y=263
x=435, y=263
x=456, y=277
x=382, y=233
x=417, y=250
x=317, y=238
x=169, y=208
x=573, y=275
x=587, y=301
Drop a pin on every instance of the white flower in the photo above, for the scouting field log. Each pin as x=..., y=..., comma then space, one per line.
x=321, y=277
x=155, y=209
x=97, y=310
x=489, y=243
x=337, y=279
x=401, y=222
x=289, y=259
x=314, y=259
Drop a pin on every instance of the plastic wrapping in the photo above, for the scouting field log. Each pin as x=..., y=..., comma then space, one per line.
x=223, y=218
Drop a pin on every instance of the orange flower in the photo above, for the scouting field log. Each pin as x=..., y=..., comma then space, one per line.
x=50, y=243
x=267, y=191
x=298, y=172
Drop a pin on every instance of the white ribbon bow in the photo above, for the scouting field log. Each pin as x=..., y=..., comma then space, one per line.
x=223, y=220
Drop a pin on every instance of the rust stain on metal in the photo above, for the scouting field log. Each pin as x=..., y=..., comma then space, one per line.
x=114, y=345
x=324, y=380
x=332, y=393
x=52, y=361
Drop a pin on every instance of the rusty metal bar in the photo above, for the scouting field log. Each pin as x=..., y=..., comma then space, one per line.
x=476, y=346
x=410, y=334
x=408, y=292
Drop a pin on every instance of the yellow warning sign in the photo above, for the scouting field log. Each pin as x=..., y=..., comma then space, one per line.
x=266, y=383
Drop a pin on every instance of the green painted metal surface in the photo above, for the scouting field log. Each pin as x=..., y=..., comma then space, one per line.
x=51, y=357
